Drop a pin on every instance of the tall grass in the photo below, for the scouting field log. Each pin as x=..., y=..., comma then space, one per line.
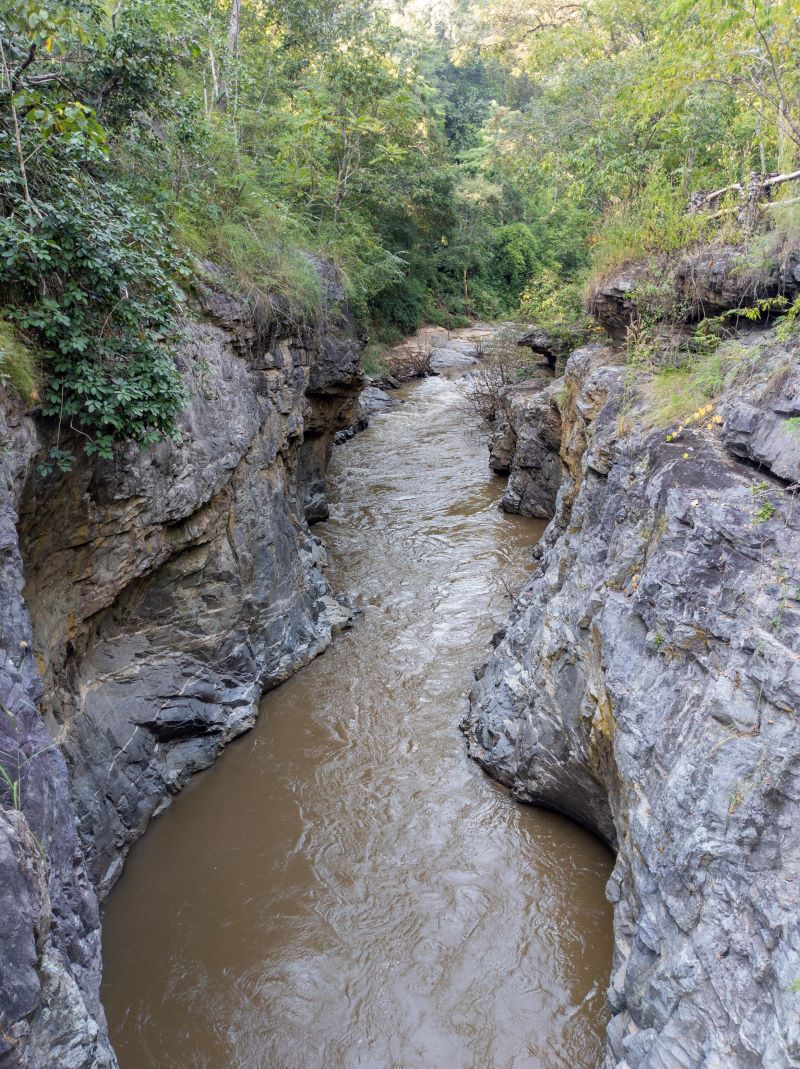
x=651, y=221
x=260, y=259
x=674, y=393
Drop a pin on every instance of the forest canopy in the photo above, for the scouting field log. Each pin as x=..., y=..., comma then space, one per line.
x=454, y=159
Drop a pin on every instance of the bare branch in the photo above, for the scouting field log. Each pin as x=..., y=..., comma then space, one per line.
x=779, y=179
x=31, y=56
x=115, y=14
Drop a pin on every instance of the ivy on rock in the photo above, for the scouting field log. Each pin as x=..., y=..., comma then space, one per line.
x=86, y=273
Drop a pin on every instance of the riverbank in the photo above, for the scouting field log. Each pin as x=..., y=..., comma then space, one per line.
x=148, y=601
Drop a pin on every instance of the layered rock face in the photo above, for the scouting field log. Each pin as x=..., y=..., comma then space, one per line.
x=163, y=592
x=695, y=284
x=50, y=1011
x=525, y=447
x=648, y=685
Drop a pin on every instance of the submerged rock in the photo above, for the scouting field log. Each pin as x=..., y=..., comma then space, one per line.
x=454, y=353
x=647, y=684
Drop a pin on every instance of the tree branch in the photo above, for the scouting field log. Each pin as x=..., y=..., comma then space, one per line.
x=31, y=56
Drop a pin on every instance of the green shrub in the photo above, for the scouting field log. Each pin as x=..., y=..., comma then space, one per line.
x=556, y=304
x=515, y=255
x=90, y=277
x=764, y=513
x=373, y=361
x=399, y=307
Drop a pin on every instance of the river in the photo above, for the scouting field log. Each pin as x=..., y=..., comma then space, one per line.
x=345, y=889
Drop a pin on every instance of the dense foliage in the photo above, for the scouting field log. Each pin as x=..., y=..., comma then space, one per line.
x=473, y=158
x=638, y=105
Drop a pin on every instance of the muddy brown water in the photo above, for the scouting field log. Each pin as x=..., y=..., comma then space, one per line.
x=345, y=889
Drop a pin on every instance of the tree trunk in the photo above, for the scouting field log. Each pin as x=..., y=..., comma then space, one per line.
x=11, y=80
x=214, y=79
x=231, y=49
x=233, y=29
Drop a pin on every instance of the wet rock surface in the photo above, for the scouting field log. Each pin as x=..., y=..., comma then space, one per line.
x=454, y=353
x=163, y=592
x=647, y=684
x=371, y=401
x=433, y=350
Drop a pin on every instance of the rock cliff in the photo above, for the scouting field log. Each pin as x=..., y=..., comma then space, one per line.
x=525, y=446
x=647, y=684
x=148, y=602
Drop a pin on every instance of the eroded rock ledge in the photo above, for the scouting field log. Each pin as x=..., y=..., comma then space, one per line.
x=147, y=604
x=648, y=685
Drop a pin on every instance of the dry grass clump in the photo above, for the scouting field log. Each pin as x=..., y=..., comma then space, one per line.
x=503, y=364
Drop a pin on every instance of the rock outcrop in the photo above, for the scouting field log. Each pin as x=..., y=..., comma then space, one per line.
x=50, y=1013
x=541, y=344
x=705, y=282
x=163, y=592
x=647, y=684
x=371, y=402
x=525, y=446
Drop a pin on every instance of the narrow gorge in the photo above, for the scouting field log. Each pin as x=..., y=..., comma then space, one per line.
x=344, y=874
x=399, y=534
x=345, y=887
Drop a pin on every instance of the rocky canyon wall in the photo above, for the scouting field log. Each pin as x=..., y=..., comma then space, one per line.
x=148, y=602
x=647, y=684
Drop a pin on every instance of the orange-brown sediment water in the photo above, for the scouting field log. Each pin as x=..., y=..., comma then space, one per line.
x=345, y=889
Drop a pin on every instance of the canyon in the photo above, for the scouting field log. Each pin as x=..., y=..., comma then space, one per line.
x=645, y=683
x=345, y=887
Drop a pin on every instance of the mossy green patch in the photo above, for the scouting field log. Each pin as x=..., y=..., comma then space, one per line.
x=19, y=363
